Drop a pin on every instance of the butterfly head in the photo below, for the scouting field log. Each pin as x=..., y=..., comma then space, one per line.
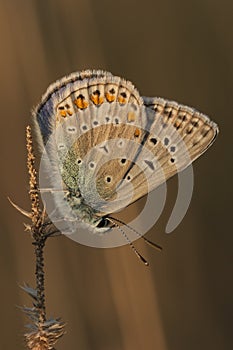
x=103, y=225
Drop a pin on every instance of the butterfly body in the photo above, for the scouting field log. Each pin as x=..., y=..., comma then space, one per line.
x=109, y=146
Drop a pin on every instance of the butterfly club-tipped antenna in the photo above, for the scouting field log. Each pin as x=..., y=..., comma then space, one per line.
x=128, y=240
x=152, y=244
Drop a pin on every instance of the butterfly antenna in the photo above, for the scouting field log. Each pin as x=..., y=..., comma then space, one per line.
x=130, y=243
x=152, y=244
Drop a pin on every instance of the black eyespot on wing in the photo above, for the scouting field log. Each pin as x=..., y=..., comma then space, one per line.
x=153, y=140
x=112, y=91
x=150, y=164
x=166, y=141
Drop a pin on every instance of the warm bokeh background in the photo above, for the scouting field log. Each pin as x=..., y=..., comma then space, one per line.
x=181, y=50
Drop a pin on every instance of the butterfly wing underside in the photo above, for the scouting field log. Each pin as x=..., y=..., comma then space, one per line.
x=112, y=146
x=174, y=136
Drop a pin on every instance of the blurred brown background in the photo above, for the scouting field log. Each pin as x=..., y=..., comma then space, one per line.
x=181, y=50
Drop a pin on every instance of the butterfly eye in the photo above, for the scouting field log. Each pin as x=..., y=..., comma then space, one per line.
x=79, y=161
x=84, y=127
x=104, y=222
x=166, y=141
x=128, y=178
x=172, y=148
x=172, y=160
x=95, y=122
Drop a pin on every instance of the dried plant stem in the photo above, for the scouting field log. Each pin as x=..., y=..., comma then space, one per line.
x=39, y=251
x=37, y=227
x=33, y=192
x=44, y=333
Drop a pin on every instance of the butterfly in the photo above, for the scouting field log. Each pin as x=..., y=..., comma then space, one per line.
x=106, y=146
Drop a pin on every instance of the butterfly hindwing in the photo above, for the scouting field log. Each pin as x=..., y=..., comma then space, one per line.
x=176, y=136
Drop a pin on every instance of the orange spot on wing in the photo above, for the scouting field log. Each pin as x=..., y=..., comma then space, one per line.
x=121, y=99
x=63, y=114
x=97, y=100
x=109, y=97
x=137, y=132
x=131, y=117
x=80, y=103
